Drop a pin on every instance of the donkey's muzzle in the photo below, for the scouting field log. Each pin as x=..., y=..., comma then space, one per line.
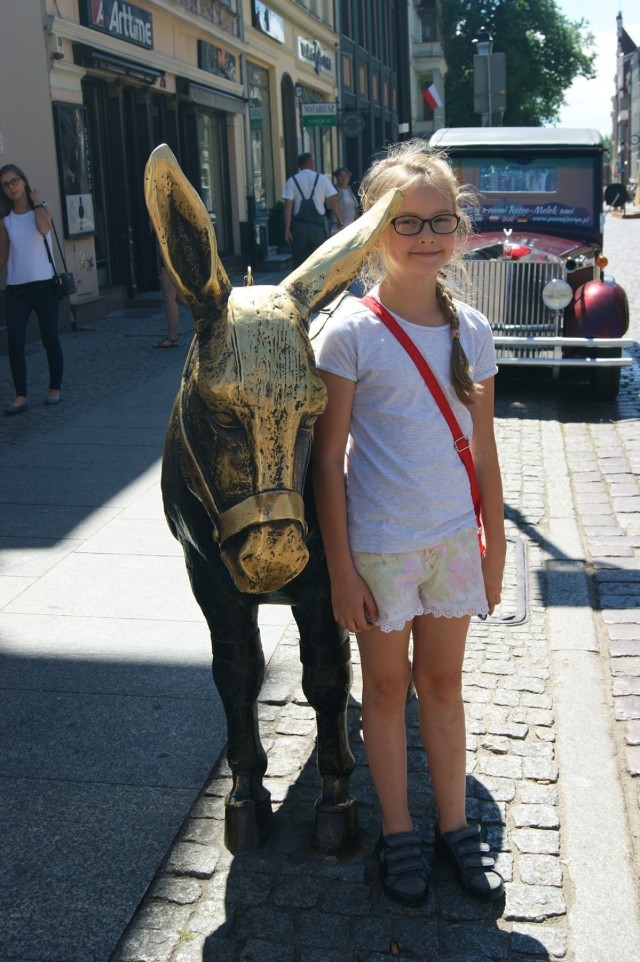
x=273, y=551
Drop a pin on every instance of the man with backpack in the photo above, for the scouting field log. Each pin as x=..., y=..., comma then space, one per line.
x=305, y=222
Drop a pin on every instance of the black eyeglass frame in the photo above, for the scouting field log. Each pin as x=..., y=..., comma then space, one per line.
x=423, y=221
x=10, y=184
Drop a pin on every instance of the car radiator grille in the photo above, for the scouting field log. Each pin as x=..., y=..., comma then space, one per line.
x=509, y=293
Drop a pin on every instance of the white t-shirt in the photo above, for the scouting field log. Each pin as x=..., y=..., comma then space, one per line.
x=306, y=177
x=28, y=259
x=407, y=488
x=348, y=205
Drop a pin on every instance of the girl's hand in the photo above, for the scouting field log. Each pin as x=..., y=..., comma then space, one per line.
x=492, y=572
x=354, y=606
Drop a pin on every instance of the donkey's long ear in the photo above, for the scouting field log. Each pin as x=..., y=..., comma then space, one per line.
x=184, y=231
x=332, y=267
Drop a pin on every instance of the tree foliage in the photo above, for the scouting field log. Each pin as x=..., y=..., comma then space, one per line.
x=545, y=52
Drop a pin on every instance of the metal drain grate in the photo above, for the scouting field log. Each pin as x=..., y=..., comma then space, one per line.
x=514, y=607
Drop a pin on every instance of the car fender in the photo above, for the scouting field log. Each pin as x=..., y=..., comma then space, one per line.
x=598, y=309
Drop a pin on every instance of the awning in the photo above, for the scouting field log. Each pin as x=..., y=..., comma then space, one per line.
x=208, y=97
x=97, y=59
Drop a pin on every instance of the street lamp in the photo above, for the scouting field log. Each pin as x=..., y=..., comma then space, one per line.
x=483, y=42
x=489, y=76
x=484, y=45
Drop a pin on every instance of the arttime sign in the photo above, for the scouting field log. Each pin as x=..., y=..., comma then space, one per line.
x=119, y=19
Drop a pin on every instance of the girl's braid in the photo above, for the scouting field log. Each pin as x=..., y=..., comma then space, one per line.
x=463, y=384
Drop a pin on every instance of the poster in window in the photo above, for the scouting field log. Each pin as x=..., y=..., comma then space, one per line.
x=74, y=168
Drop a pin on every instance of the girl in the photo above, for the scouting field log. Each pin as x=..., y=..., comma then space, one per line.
x=25, y=220
x=401, y=536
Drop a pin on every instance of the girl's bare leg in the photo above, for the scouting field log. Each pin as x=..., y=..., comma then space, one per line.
x=385, y=677
x=438, y=653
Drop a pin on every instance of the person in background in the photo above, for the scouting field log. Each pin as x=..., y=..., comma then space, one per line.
x=25, y=224
x=305, y=195
x=347, y=200
x=400, y=531
x=170, y=302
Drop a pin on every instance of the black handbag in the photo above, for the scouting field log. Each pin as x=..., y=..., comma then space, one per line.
x=65, y=282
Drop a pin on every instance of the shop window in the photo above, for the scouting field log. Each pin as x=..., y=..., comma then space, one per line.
x=211, y=129
x=347, y=71
x=317, y=140
x=363, y=87
x=427, y=12
x=261, y=139
x=346, y=14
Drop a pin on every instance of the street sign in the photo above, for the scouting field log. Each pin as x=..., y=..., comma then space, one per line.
x=319, y=115
x=490, y=86
x=353, y=123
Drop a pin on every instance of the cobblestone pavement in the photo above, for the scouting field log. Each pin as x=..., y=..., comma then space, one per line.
x=568, y=463
x=286, y=903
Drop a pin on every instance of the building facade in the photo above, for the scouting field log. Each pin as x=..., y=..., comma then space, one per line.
x=625, y=140
x=374, y=78
x=429, y=68
x=236, y=88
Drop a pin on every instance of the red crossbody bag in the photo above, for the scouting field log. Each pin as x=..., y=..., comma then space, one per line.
x=460, y=442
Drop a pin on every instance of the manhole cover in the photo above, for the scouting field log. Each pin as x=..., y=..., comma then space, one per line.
x=514, y=607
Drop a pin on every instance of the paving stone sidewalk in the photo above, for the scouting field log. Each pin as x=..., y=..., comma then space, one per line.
x=290, y=904
x=286, y=903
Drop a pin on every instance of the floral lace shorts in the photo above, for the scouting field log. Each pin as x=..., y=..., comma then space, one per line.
x=445, y=581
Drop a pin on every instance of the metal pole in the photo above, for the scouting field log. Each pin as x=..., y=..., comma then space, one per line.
x=490, y=124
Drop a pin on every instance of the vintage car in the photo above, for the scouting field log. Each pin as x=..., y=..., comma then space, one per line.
x=535, y=263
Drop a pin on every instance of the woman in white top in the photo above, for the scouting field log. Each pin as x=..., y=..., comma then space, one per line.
x=25, y=221
x=347, y=200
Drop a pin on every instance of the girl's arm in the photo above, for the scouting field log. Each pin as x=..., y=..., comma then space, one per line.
x=487, y=466
x=42, y=213
x=4, y=245
x=354, y=607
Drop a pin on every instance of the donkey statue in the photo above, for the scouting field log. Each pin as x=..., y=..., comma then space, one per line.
x=236, y=493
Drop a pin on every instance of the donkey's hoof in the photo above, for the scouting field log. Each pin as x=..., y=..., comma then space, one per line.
x=246, y=823
x=336, y=826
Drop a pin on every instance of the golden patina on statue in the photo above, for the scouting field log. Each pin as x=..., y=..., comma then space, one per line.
x=235, y=487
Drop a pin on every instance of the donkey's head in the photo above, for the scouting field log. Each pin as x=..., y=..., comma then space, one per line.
x=250, y=392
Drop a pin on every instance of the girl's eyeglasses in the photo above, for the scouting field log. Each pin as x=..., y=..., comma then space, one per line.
x=10, y=184
x=440, y=224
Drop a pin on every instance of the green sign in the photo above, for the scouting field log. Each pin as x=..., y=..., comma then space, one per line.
x=319, y=115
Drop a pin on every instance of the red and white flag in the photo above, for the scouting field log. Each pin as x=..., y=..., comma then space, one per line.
x=431, y=96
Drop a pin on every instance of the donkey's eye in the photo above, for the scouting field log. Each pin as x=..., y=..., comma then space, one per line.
x=307, y=422
x=224, y=418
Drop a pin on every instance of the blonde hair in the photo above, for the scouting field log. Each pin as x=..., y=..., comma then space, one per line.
x=414, y=163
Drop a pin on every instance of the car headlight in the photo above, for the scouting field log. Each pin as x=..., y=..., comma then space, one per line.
x=557, y=294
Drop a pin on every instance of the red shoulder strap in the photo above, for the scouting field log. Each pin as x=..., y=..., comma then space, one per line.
x=460, y=442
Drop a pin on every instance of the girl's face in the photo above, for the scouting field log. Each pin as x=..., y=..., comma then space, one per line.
x=12, y=185
x=343, y=178
x=419, y=255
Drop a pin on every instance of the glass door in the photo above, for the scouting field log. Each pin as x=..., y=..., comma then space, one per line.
x=214, y=178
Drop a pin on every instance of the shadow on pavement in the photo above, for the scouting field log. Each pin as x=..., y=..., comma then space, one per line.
x=287, y=901
x=101, y=760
